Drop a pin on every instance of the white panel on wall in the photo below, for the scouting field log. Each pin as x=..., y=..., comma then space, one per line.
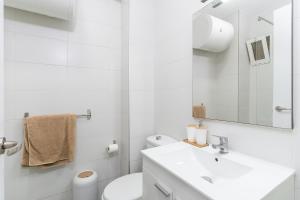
x=125, y=139
x=63, y=9
x=1, y=98
x=141, y=70
x=282, y=67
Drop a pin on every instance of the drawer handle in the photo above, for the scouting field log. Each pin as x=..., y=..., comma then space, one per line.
x=162, y=189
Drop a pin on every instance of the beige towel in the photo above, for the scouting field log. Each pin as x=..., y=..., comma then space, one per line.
x=199, y=112
x=49, y=140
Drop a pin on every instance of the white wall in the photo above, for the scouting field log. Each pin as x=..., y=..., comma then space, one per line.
x=55, y=67
x=173, y=90
x=125, y=139
x=1, y=100
x=173, y=69
x=141, y=70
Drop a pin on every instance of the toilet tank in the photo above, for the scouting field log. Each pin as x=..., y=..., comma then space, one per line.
x=159, y=140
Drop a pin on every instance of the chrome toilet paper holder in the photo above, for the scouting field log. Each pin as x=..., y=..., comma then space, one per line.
x=107, y=148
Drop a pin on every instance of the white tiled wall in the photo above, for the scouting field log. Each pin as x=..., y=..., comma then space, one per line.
x=54, y=66
x=141, y=70
x=173, y=104
x=173, y=97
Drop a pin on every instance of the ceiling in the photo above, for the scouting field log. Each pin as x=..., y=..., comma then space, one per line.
x=244, y=6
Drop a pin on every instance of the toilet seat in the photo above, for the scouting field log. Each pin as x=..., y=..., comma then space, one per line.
x=129, y=187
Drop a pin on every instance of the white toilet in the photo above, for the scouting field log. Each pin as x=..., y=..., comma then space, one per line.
x=130, y=187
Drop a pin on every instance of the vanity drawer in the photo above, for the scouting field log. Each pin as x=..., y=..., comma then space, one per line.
x=158, y=183
x=155, y=189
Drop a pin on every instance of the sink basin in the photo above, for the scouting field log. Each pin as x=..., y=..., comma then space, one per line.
x=220, y=176
x=209, y=166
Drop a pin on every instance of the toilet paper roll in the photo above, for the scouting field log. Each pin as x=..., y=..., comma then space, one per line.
x=112, y=148
x=85, y=185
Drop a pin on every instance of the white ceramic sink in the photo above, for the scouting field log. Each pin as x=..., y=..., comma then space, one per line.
x=209, y=166
x=218, y=175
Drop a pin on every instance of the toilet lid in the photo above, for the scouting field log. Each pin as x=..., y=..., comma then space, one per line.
x=127, y=187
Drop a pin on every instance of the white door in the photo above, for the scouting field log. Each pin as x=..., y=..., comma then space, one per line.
x=282, y=92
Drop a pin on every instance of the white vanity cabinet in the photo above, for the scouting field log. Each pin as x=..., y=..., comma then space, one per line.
x=180, y=171
x=158, y=184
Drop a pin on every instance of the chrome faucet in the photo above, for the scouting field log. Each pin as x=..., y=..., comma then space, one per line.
x=223, y=146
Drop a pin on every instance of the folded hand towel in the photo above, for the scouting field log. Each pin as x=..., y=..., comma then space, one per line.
x=199, y=112
x=49, y=140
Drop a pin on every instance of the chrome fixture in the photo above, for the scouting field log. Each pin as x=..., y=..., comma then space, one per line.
x=158, y=137
x=280, y=109
x=214, y=3
x=88, y=115
x=208, y=179
x=217, y=3
x=164, y=191
x=263, y=19
x=223, y=145
x=4, y=145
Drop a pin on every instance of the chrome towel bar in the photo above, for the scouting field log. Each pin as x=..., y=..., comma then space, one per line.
x=88, y=115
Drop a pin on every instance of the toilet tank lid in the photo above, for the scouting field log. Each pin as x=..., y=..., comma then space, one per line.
x=160, y=140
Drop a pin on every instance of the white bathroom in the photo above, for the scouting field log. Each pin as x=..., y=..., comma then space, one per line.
x=149, y=99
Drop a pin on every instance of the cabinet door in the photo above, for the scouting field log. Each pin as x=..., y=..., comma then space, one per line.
x=154, y=189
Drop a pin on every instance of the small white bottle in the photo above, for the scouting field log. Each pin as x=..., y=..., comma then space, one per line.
x=201, y=135
x=190, y=131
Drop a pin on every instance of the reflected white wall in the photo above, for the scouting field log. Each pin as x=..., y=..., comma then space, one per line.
x=215, y=78
x=256, y=82
x=1, y=99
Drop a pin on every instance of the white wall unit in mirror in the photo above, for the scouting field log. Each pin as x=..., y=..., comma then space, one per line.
x=62, y=9
x=244, y=74
x=211, y=33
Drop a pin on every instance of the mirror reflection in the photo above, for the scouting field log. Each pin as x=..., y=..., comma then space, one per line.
x=242, y=62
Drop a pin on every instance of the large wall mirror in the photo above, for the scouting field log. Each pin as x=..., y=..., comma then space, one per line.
x=242, y=62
